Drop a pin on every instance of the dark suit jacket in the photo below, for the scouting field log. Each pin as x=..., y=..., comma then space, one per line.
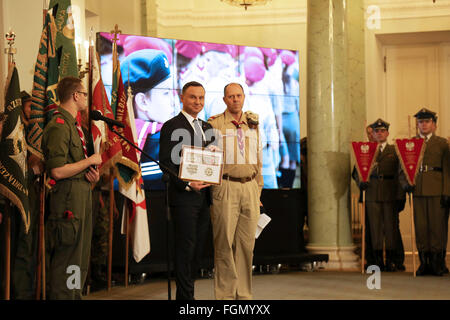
x=178, y=195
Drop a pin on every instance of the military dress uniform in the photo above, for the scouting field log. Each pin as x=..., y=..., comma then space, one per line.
x=383, y=192
x=69, y=224
x=432, y=186
x=235, y=205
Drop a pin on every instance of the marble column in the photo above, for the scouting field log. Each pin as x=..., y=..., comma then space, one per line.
x=330, y=124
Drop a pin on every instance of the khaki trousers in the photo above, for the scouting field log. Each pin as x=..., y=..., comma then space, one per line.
x=234, y=217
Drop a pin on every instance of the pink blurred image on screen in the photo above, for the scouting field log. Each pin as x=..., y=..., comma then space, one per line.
x=156, y=70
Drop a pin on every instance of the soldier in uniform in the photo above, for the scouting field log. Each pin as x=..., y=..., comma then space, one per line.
x=381, y=198
x=235, y=203
x=72, y=171
x=431, y=194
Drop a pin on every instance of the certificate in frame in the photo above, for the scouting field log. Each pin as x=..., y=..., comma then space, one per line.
x=201, y=164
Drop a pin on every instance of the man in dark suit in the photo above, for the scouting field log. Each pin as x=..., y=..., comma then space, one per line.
x=189, y=202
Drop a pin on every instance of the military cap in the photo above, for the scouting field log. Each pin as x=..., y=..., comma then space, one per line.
x=380, y=123
x=424, y=113
x=144, y=69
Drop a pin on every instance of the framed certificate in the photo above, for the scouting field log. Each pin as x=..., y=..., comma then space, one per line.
x=201, y=164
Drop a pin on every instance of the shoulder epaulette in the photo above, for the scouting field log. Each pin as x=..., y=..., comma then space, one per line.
x=59, y=120
x=215, y=117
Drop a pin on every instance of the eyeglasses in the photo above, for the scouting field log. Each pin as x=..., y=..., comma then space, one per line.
x=83, y=93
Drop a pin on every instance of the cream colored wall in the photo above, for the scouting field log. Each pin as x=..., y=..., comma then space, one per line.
x=396, y=16
x=126, y=14
x=25, y=18
x=278, y=24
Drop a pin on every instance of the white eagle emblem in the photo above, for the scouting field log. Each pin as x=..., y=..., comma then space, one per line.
x=410, y=146
x=365, y=148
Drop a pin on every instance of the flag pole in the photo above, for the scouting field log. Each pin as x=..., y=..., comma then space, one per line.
x=90, y=76
x=115, y=32
x=411, y=207
x=40, y=268
x=111, y=225
x=127, y=240
x=363, y=236
x=7, y=250
x=10, y=51
x=413, y=235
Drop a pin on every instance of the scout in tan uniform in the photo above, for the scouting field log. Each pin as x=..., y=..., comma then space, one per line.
x=235, y=203
x=69, y=224
x=382, y=194
x=430, y=197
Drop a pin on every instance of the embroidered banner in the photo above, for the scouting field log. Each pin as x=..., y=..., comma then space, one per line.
x=410, y=153
x=365, y=155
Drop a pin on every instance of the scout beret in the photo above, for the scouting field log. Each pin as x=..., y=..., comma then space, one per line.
x=424, y=113
x=135, y=43
x=380, y=123
x=144, y=69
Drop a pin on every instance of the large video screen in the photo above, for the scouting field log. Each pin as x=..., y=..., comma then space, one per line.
x=156, y=69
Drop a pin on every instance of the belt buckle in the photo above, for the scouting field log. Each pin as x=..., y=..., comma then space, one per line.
x=243, y=180
x=423, y=168
x=381, y=176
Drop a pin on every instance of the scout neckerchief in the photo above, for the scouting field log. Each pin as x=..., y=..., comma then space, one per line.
x=240, y=135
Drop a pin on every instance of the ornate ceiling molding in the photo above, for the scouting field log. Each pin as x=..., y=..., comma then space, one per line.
x=209, y=18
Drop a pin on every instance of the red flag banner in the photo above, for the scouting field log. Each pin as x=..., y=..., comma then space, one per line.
x=105, y=142
x=410, y=153
x=365, y=154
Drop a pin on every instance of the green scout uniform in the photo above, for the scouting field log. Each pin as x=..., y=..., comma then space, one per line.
x=100, y=232
x=69, y=224
x=235, y=207
x=430, y=218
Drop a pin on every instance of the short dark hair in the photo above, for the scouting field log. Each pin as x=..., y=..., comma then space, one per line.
x=191, y=84
x=66, y=87
x=225, y=88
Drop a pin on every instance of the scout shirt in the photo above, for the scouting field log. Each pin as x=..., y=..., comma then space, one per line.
x=61, y=143
x=236, y=165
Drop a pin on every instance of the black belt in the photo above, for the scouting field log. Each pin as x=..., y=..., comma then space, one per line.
x=241, y=180
x=382, y=177
x=425, y=168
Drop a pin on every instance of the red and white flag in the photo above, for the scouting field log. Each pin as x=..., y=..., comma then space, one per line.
x=136, y=205
x=410, y=153
x=365, y=154
x=105, y=142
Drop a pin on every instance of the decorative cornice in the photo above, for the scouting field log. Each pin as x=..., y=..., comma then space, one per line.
x=209, y=18
x=411, y=9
